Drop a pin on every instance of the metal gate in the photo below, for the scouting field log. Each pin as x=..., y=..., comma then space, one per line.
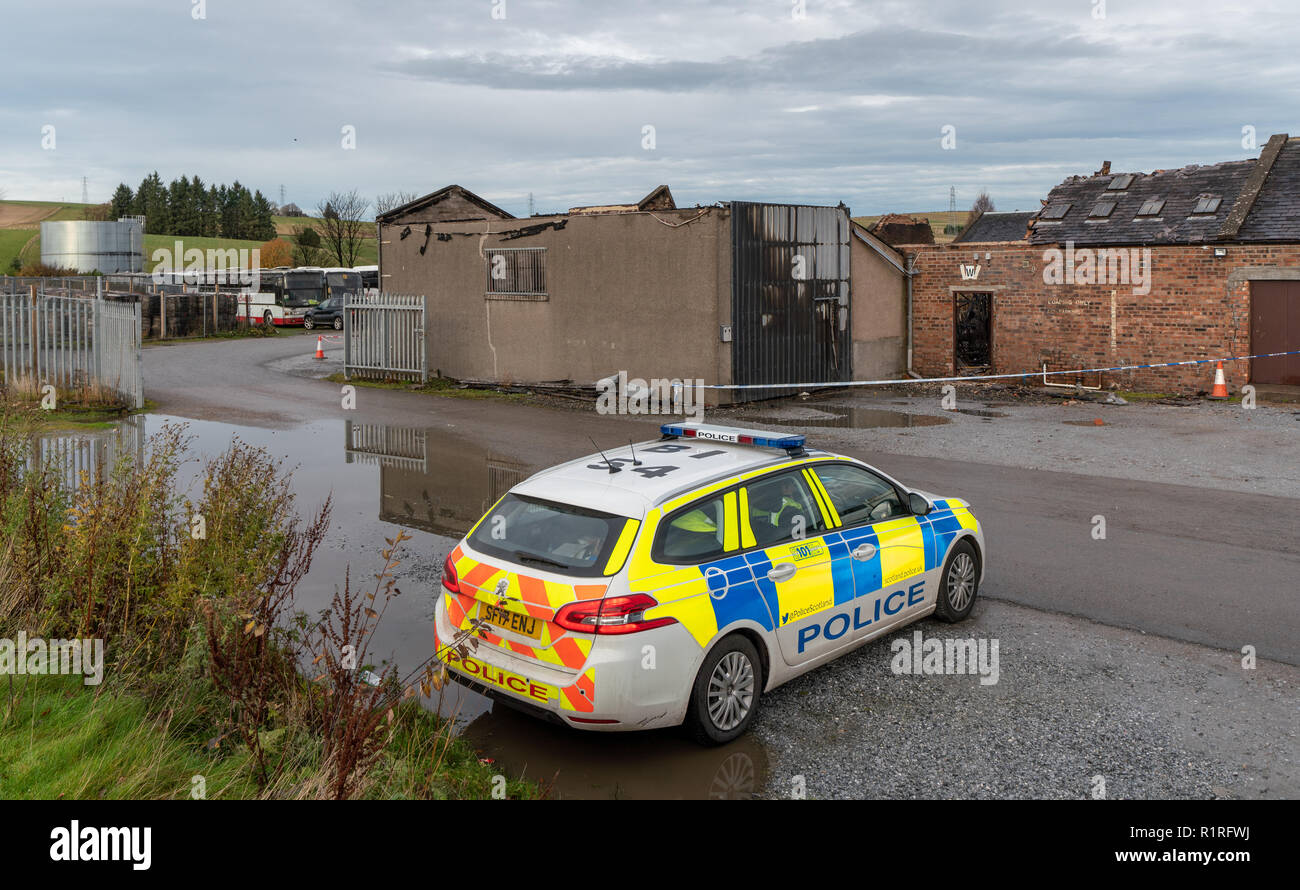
x=383, y=337
x=72, y=343
x=790, y=296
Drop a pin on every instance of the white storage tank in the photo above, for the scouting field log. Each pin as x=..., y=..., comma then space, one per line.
x=87, y=246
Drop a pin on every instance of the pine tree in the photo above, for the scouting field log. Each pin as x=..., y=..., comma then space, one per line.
x=263, y=217
x=123, y=201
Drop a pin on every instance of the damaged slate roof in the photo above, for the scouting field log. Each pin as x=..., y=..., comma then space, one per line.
x=1275, y=215
x=1250, y=200
x=993, y=225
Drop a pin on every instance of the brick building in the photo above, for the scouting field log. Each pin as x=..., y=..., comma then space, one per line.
x=1120, y=269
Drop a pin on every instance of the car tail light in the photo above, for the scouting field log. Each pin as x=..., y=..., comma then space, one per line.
x=612, y=615
x=449, y=578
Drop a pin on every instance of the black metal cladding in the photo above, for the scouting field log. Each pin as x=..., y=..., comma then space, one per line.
x=790, y=318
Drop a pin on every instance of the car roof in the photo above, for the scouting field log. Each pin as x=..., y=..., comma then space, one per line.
x=587, y=481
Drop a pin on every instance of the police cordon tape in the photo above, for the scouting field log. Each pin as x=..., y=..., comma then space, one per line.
x=1021, y=376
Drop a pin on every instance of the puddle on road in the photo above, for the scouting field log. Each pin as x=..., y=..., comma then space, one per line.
x=980, y=412
x=848, y=418
x=436, y=485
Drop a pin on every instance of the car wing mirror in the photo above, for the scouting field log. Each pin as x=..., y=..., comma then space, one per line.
x=920, y=506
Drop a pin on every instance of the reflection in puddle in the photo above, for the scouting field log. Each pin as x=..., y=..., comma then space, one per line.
x=656, y=764
x=427, y=482
x=851, y=418
x=436, y=485
x=979, y=412
x=84, y=453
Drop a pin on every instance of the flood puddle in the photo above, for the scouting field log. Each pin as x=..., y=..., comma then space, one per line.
x=980, y=412
x=435, y=485
x=848, y=418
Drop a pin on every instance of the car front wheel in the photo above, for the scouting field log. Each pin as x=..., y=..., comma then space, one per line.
x=959, y=584
x=308, y=323
x=725, y=696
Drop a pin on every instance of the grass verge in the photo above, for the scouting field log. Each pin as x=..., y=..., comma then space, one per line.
x=438, y=386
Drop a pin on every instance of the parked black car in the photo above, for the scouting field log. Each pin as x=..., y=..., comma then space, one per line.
x=328, y=313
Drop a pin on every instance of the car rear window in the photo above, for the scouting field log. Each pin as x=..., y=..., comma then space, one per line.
x=548, y=535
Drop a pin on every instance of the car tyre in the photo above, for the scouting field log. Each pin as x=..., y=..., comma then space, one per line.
x=959, y=585
x=268, y=319
x=726, y=693
x=308, y=324
x=338, y=324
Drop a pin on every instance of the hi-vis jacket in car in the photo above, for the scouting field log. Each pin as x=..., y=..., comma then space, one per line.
x=679, y=579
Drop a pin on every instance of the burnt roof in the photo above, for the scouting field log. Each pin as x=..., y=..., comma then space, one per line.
x=1257, y=200
x=1275, y=215
x=465, y=196
x=998, y=226
x=1180, y=190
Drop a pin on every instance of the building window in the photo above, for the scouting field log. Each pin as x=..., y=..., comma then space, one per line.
x=516, y=273
x=1102, y=210
x=1207, y=204
x=1121, y=182
x=1151, y=207
x=1054, y=211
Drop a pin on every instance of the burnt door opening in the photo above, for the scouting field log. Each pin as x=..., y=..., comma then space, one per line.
x=1275, y=327
x=973, y=330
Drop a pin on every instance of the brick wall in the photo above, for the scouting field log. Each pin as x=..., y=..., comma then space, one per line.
x=1198, y=306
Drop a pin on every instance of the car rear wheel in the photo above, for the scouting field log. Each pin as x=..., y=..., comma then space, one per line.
x=338, y=324
x=725, y=697
x=959, y=584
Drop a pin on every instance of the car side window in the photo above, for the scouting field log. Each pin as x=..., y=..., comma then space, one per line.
x=780, y=509
x=860, y=496
x=696, y=533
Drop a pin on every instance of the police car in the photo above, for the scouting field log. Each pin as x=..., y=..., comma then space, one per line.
x=675, y=581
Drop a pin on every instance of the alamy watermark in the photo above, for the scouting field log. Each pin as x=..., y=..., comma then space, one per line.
x=38, y=657
x=619, y=394
x=179, y=264
x=924, y=657
x=1104, y=265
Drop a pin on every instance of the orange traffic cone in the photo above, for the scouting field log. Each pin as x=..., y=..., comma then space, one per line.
x=320, y=351
x=1220, y=390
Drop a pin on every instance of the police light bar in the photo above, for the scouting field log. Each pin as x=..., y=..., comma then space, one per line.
x=735, y=435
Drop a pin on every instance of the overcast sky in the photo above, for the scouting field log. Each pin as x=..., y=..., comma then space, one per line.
x=748, y=100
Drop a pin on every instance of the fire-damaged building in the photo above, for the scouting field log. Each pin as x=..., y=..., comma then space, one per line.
x=1117, y=269
x=732, y=293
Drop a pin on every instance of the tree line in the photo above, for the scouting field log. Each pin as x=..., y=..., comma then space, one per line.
x=186, y=206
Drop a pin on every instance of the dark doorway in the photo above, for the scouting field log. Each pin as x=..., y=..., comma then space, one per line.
x=1275, y=327
x=973, y=328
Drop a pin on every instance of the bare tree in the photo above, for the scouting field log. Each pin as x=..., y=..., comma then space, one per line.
x=982, y=204
x=389, y=200
x=307, y=250
x=343, y=225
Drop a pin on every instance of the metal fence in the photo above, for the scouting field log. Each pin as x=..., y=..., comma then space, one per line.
x=72, y=343
x=383, y=337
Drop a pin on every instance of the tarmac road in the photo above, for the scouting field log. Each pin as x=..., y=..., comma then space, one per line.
x=1207, y=566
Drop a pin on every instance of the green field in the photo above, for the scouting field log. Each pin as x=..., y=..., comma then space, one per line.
x=12, y=242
